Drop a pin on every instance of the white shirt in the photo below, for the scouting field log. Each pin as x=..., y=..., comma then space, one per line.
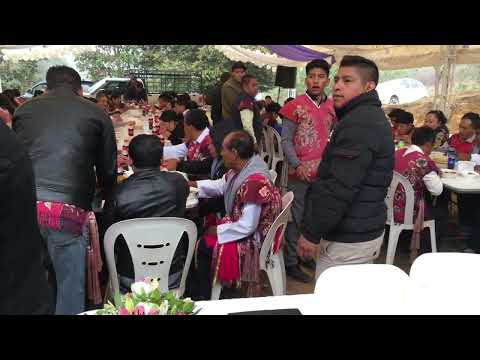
x=245, y=226
x=431, y=180
x=180, y=151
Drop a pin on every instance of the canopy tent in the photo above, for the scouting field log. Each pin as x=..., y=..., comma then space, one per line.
x=388, y=57
x=17, y=53
x=37, y=52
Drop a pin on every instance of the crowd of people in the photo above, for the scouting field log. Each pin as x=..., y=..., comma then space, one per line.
x=61, y=155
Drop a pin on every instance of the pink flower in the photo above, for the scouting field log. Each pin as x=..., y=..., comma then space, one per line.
x=123, y=311
x=153, y=312
x=139, y=310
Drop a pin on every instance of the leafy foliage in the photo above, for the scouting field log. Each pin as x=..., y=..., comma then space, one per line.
x=114, y=60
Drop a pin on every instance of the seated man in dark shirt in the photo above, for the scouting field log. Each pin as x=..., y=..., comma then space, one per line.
x=149, y=192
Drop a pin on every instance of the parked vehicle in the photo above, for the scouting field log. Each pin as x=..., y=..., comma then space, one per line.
x=43, y=85
x=401, y=91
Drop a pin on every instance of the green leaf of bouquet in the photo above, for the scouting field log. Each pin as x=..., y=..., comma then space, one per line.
x=117, y=299
x=129, y=304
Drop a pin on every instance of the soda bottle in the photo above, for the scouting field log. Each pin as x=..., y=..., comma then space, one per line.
x=452, y=157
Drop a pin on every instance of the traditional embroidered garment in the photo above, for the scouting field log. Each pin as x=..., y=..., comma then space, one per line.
x=414, y=166
x=199, y=151
x=61, y=217
x=313, y=127
x=239, y=260
x=462, y=146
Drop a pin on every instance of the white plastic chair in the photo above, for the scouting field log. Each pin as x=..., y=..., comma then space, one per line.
x=265, y=152
x=273, y=176
x=408, y=224
x=277, y=152
x=445, y=283
x=272, y=264
x=363, y=289
x=152, y=243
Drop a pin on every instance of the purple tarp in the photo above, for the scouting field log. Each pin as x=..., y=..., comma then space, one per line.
x=297, y=52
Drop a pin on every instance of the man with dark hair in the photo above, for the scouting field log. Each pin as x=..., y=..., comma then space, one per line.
x=268, y=100
x=415, y=164
x=23, y=280
x=70, y=140
x=102, y=100
x=215, y=99
x=232, y=89
x=271, y=116
x=252, y=203
x=172, y=127
x=245, y=112
x=197, y=139
x=131, y=90
x=149, y=192
x=404, y=121
x=116, y=103
x=305, y=127
x=164, y=102
x=393, y=115
x=345, y=210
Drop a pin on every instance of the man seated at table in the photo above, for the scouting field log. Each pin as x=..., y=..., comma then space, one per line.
x=116, y=103
x=414, y=163
x=171, y=127
x=231, y=245
x=404, y=121
x=164, y=102
x=466, y=144
x=149, y=192
x=197, y=139
x=102, y=100
x=392, y=115
x=464, y=141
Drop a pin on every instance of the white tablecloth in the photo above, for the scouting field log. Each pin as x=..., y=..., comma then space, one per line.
x=462, y=185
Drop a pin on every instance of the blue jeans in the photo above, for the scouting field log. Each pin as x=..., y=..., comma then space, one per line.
x=68, y=255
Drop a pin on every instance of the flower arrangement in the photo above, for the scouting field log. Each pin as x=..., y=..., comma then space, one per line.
x=146, y=299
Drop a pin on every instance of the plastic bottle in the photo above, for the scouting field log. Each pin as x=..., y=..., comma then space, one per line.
x=452, y=157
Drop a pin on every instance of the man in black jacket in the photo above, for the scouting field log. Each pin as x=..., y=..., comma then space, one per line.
x=345, y=212
x=149, y=192
x=70, y=140
x=23, y=281
x=215, y=99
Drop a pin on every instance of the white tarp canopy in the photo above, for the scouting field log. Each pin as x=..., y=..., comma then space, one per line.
x=37, y=52
x=390, y=57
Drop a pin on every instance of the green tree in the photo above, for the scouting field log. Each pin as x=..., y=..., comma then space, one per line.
x=18, y=75
x=113, y=60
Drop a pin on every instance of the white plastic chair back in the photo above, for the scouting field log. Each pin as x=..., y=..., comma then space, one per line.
x=273, y=175
x=363, y=289
x=152, y=243
x=281, y=220
x=409, y=198
x=446, y=283
x=273, y=264
x=265, y=149
x=277, y=152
